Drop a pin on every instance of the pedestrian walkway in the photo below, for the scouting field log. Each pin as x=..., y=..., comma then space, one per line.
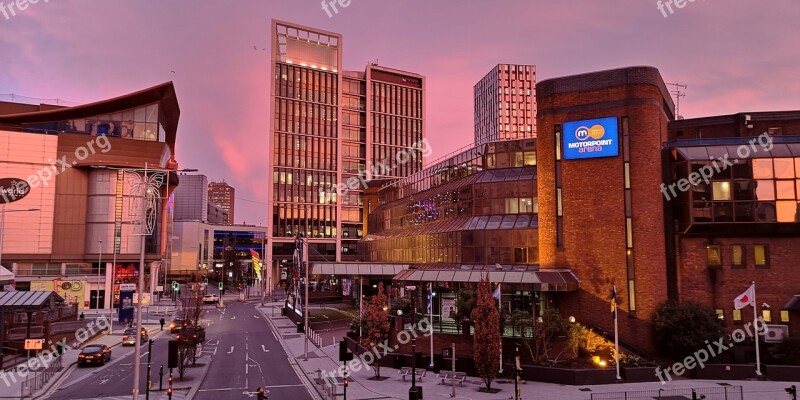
x=394, y=387
x=176, y=395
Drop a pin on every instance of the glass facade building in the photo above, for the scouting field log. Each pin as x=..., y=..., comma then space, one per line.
x=333, y=131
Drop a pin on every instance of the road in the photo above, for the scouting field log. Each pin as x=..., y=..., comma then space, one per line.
x=247, y=355
x=116, y=378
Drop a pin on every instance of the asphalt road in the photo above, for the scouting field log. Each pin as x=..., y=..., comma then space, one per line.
x=246, y=355
x=116, y=378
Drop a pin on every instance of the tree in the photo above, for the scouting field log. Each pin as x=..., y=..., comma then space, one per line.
x=487, y=340
x=464, y=305
x=683, y=328
x=191, y=334
x=376, y=322
x=551, y=326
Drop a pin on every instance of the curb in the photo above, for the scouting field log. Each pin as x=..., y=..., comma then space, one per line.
x=194, y=388
x=301, y=373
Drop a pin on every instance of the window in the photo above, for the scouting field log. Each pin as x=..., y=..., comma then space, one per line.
x=737, y=255
x=784, y=315
x=720, y=313
x=737, y=315
x=766, y=315
x=713, y=256
x=761, y=255
x=722, y=191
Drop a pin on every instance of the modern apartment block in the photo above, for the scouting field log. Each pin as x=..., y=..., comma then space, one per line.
x=505, y=104
x=332, y=132
x=191, y=198
x=223, y=195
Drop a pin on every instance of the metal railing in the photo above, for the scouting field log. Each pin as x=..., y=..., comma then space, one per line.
x=710, y=393
x=37, y=379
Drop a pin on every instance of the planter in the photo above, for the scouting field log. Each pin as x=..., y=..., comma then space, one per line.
x=639, y=374
x=724, y=372
x=787, y=373
x=564, y=376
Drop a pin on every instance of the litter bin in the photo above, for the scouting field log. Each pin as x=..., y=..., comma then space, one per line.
x=300, y=327
x=415, y=393
x=283, y=311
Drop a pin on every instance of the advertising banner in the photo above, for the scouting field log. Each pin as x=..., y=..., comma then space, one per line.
x=591, y=138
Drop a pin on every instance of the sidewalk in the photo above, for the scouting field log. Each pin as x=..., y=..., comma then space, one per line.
x=70, y=357
x=361, y=388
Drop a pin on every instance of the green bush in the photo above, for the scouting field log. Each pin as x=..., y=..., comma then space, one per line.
x=680, y=329
x=584, y=342
x=786, y=352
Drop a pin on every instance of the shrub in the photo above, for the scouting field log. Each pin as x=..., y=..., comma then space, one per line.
x=584, y=342
x=680, y=329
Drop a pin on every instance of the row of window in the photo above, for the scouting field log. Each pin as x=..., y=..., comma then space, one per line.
x=301, y=83
x=737, y=256
x=766, y=314
x=307, y=118
x=395, y=99
x=304, y=151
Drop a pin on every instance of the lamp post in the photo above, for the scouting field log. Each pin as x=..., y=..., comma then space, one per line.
x=3, y=212
x=99, y=266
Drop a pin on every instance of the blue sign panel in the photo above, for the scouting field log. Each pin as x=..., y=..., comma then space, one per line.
x=591, y=138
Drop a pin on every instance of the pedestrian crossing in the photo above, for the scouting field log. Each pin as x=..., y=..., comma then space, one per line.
x=177, y=395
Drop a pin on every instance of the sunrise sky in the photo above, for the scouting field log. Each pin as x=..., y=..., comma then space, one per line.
x=734, y=55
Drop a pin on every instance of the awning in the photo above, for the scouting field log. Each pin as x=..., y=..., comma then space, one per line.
x=28, y=300
x=361, y=269
x=545, y=281
x=6, y=276
x=793, y=304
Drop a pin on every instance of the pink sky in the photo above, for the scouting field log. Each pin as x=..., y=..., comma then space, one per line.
x=735, y=55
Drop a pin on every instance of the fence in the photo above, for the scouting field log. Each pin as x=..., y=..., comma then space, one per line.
x=37, y=379
x=711, y=393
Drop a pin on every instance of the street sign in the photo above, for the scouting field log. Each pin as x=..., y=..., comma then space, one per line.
x=159, y=288
x=127, y=287
x=34, y=344
x=146, y=299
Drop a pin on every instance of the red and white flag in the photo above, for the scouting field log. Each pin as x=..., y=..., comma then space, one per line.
x=746, y=298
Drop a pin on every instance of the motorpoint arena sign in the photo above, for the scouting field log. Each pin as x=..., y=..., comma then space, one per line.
x=591, y=138
x=13, y=189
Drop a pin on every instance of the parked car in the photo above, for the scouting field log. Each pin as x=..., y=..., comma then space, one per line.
x=96, y=354
x=198, y=334
x=129, y=336
x=210, y=298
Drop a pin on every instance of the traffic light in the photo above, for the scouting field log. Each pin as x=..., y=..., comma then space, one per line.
x=172, y=356
x=205, y=281
x=345, y=382
x=175, y=286
x=792, y=390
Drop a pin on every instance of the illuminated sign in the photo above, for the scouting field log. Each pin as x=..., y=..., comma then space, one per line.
x=591, y=138
x=13, y=189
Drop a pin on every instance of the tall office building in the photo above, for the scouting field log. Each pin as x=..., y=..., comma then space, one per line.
x=223, y=195
x=331, y=133
x=505, y=104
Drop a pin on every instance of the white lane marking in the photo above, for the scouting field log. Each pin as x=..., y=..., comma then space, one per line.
x=256, y=317
x=215, y=351
x=103, y=382
x=221, y=390
x=231, y=350
x=264, y=348
x=274, y=335
x=144, y=354
x=234, y=317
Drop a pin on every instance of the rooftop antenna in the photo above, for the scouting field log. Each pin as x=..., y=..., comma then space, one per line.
x=678, y=94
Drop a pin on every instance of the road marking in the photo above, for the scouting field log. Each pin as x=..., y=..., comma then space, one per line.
x=144, y=354
x=246, y=346
x=256, y=317
x=274, y=335
x=221, y=390
x=103, y=382
x=215, y=351
x=264, y=348
x=231, y=350
x=234, y=317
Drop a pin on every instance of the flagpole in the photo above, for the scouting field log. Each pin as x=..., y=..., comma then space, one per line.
x=755, y=323
x=500, y=309
x=430, y=323
x=616, y=334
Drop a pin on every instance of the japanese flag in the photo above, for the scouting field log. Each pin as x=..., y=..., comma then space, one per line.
x=746, y=298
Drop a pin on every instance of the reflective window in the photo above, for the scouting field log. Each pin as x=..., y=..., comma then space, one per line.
x=713, y=256
x=737, y=255
x=761, y=255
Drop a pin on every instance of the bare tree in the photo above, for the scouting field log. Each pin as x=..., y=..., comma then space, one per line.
x=191, y=334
